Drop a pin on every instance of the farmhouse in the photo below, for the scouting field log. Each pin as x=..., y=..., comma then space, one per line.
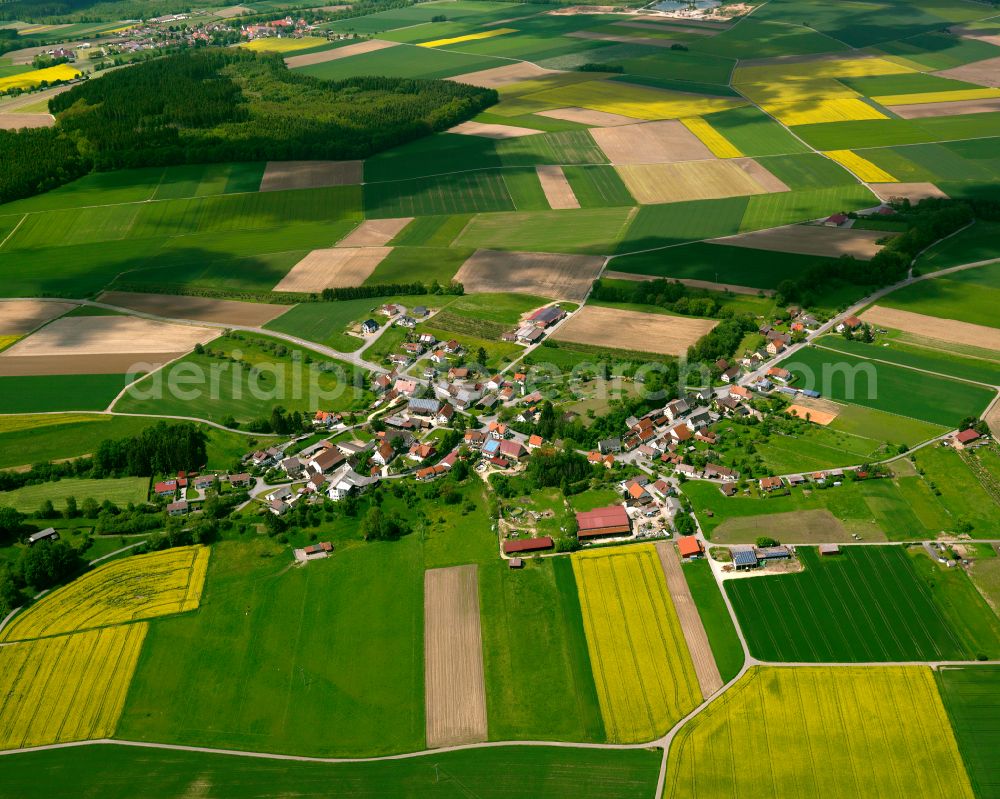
x=240, y=480
x=346, y=481
x=548, y=316
x=770, y=483
x=744, y=558
x=606, y=522
x=165, y=488
x=964, y=439
x=527, y=545
x=326, y=460
x=178, y=508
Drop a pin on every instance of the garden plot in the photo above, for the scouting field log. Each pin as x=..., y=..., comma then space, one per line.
x=558, y=193
x=503, y=76
x=75, y=336
x=307, y=60
x=633, y=330
x=819, y=411
x=201, y=309
x=18, y=317
x=698, y=180
x=950, y=330
x=982, y=73
x=663, y=142
x=492, y=131
x=375, y=232
x=542, y=274
x=810, y=240
x=283, y=175
x=914, y=192
x=336, y=267
x=453, y=658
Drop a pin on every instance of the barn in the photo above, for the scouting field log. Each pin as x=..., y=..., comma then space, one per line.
x=608, y=522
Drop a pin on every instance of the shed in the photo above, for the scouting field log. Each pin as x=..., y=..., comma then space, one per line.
x=48, y=534
x=689, y=547
x=744, y=558
x=829, y=549
x=601, y=522
x=527, y=545
x=516, y=563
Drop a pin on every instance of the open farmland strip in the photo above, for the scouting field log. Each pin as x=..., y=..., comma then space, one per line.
x=633, y=629
x=453, y=653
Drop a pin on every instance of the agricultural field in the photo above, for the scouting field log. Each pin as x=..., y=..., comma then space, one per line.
x=969, y=694
x=519, y=610
x=885, y=728
x=719, y=627
x=120, y=491
x=632, y=330
x=635, y=642
x=887, y=387
x=253, y=379
x=31, y=438
x=968, y=296
x=875, y=606
x=49, y=393
x=68, y=687
x=134, y=589
x=528, y=772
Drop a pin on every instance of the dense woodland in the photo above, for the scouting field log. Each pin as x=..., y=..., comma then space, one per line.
x=218, y=105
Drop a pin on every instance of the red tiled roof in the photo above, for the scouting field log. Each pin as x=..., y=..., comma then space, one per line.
x=612, y=520
x=688, y=545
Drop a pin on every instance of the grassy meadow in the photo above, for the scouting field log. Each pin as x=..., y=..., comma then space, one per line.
x=121, y=491
x=722, y=636
x=969, y=695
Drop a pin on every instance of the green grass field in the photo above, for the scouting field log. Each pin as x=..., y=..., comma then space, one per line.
x=969, y=694
x=598, y=186
x=248, y=390
x=404, y=61
x=979, y=243
x=425, y=264
x=333, y=648
x=784, y=208
x=593, y=230
x=931, y=360
x=568, y=147
x=43, y=393
x=879, y=732
x=722, y=637
x=886, y=387
x=121, y=491
x=37, y=439
x=960, y=493
x=969, y=296
x=460, y=193
x=678, y=223
x=718, y=263
x=866, y=604
x=117, y=772
x=520, y=610
x=434, y=155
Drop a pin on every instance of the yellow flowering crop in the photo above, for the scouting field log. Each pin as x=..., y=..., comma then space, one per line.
x=642, y=668
x=67, y=688
x=862, y=167
x=26, y=80
x=469, y=37
x=937, y=97
x=720, y=146
x=140, y=587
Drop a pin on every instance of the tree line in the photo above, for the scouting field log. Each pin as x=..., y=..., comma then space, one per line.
x=212, y=105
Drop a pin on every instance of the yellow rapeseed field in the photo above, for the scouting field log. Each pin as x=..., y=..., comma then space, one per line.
x=638, y=102
x=283, y=44
x=469, y=37
x=821, y=733
x=140, y=587
x=67, y=688
x=820, y=110
x=820, y=68
x=937, y=97
x=796, y=91
x=862, y=167
x=642, y=668
x=6, y=341
x=26, y=80
x=720, y=146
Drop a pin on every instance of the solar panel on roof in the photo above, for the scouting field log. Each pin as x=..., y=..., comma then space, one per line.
x=744, y=557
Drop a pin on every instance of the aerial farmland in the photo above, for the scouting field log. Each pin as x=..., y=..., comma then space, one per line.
x=449, y=398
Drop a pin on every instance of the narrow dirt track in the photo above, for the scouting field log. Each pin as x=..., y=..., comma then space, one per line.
x=694, y=631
